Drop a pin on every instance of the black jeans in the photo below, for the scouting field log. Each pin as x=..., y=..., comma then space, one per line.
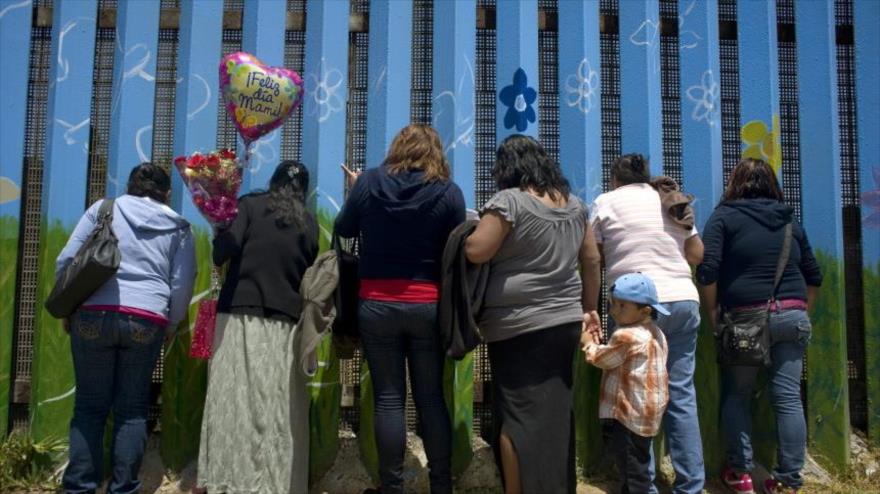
x=632, y=453
x=392, y=334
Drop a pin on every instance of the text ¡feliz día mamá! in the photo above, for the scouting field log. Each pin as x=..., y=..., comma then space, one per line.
x=263, y=99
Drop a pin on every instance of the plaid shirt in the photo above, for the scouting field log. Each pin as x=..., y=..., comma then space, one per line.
x=634, y=379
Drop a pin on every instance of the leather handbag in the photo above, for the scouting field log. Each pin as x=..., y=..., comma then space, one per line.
x=743, y=336
x=345, y=325
x=93, y=265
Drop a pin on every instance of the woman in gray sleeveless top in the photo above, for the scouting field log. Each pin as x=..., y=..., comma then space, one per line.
x=533, y=235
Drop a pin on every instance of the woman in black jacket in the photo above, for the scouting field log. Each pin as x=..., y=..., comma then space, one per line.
x=403, y=211
x=743, y=240
x=255, y=435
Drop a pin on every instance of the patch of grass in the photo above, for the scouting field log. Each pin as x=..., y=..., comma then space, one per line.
x=9, y=254
x=52, y=371
x=26, y=464
x=185, y=380
x=858, y=477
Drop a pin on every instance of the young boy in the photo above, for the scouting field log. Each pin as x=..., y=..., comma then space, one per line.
x=634, y=380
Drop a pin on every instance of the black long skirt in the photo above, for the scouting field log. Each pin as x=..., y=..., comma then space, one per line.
x=531, y=383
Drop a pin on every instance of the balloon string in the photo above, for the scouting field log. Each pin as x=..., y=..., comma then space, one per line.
x=248, y=152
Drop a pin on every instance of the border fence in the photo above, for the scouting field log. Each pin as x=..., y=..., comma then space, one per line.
x=96, y=86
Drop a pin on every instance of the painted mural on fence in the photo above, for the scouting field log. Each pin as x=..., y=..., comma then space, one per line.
x=828, y=405
x=184, y=379
x=52, y=385
x=871, y=288
x=15, y=31
x=762, y=142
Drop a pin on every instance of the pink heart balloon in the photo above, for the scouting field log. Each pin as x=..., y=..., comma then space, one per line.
x=258, y=98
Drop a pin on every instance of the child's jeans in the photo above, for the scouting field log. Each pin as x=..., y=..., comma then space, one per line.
x=632, y=453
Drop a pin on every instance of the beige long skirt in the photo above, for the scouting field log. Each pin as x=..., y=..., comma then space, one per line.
x=255, y=432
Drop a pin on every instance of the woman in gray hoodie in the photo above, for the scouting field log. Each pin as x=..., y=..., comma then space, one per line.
x=116, y=335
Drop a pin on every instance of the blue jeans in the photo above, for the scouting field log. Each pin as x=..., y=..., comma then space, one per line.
x=789, y=335
x=681, y=423
x=113, y=360
x=393, y=333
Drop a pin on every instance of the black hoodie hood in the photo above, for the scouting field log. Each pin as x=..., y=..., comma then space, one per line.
x=768, y=212
x=405, y=194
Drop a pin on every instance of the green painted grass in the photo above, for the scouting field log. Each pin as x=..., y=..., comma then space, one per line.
x=185, y=379
x=827, y=388
x=707, y=382
x=325, y=388
x=9, y=229
x=589, y=446
x=871, y=300
x=52, y=380
x=325, y=393
x=458, y=391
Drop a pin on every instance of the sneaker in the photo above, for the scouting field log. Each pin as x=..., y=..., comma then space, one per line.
x=740, y=483
x=773, y=486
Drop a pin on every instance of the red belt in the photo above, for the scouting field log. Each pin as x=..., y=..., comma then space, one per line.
x=776, y=306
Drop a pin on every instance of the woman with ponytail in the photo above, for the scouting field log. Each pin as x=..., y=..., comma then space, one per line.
x=255, y=435
x=116, y=335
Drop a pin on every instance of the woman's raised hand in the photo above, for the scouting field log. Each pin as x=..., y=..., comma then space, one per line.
x=350, y=175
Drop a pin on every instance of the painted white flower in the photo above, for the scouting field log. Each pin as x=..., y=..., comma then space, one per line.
x=687, y=39
x=705, y=97
x=582, y=87
x=325, y=92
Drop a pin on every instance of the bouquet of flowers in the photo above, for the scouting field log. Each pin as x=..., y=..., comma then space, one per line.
x=213, y=180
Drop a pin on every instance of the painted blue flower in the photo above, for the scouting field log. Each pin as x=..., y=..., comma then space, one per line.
x=518, y=98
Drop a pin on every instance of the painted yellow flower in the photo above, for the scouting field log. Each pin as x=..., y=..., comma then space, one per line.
x=762, y=143
x=240, y=115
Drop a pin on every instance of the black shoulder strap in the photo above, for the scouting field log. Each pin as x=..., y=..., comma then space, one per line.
x=782, y=262
x=105, y=211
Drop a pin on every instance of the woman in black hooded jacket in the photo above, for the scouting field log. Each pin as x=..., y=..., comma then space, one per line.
x=403, y=212
x=743, y=240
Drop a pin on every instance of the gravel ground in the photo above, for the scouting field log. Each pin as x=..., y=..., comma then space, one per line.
x=348, y=476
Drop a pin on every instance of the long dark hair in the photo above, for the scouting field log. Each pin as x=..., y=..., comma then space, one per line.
x=149, y=180
x=521, y=162
x=287, y=193
x=752, y=179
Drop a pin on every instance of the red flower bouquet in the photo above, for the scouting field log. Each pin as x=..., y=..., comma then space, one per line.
x=213, y=180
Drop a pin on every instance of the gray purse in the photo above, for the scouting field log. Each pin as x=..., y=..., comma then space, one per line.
x=93, y=265
x=743, y=337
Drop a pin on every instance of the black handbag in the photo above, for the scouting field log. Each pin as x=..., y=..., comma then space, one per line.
x=345, y=325
x=743, y=336
x=96, y=262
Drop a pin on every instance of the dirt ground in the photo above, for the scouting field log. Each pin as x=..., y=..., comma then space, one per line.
x=349, y=477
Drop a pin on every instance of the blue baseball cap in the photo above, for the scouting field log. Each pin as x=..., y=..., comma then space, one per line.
x=638, y=288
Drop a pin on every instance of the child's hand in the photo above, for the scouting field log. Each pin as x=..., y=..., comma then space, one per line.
x=596, y=334
x=591, y=325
